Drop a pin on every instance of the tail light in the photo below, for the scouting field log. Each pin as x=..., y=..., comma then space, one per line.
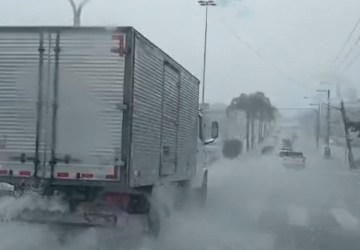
x=62, y=175
x=25, y=173
x=3, y=172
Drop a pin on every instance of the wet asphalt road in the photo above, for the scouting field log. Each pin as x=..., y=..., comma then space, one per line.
x=272, y=207
x=254, y=203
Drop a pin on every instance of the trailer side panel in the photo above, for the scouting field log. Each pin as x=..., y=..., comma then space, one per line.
x=165, y=113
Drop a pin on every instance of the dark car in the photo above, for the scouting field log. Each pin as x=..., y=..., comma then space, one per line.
x=267, y=149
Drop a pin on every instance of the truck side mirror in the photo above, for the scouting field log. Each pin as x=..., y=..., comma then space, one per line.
x=214, y=130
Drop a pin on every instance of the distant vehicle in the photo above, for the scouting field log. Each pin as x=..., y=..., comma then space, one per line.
x=293, y=159
x=287, y=143
x=267, y=149
x=283, y=151
x=294, y=136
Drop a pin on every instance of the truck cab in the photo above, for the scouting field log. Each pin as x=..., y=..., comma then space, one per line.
x=204, y=139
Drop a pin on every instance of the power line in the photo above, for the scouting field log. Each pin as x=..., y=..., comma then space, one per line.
x=352, y=61
x=347, y=41
x=248, y=45
x=259, y=55
x=350, y=51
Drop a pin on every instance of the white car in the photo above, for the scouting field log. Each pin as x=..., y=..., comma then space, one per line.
x=284, y=151
x=293, y=159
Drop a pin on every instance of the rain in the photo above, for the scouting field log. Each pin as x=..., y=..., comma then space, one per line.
x=182, y=125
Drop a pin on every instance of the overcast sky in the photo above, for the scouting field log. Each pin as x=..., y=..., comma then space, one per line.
x=296, y=39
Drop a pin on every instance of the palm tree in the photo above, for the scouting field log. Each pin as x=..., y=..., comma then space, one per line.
x=256, y=106
x=237, y=104
x=265, y=113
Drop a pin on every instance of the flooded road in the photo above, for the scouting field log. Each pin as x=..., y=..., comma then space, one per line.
x=254, y=203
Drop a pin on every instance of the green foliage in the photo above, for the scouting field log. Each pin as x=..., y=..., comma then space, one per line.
x=355, y=127
x=255, y=105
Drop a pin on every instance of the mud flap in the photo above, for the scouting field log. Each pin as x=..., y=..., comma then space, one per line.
x=200, y=193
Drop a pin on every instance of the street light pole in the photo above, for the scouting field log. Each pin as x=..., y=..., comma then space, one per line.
x=317, y=123
x=205, y=4
x=77, y=11
x=328, y=119
x=327, y=151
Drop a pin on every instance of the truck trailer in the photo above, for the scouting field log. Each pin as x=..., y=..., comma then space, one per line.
x=99, y=117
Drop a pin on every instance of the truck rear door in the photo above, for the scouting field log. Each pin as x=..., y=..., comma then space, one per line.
x=19, y=66
x=61, y=102
x=88, y=95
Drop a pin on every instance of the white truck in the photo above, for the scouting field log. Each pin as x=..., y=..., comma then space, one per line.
x=99, y=116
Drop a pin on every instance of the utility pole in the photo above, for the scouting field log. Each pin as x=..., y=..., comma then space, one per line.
x=77, y=11
x=205, y=4
x=318, y=119
x=327, y=150
x=347, y=137
x=318, y=126
x=328, y=120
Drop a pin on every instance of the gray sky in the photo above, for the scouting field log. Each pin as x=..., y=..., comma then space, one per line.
x=297, y=37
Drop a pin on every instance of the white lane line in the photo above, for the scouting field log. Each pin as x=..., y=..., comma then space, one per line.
x=345, y=218
x=298, y=216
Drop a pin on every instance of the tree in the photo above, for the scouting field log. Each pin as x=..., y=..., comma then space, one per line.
x=354, y=127
x=265, y=112
x=237, y=104
x=256, y=107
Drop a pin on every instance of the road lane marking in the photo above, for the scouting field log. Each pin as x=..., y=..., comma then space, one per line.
x=346, y=220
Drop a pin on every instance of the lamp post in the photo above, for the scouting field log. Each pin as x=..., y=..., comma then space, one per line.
x=318, y=120
x=206, y=4
x=327, y=150
x=317, y=123
x=77, y=11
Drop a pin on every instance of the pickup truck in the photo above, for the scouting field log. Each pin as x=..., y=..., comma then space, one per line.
x=100, y=117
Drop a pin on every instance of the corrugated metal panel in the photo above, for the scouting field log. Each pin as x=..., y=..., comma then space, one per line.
x=170, y=120
x=147, y=114
x=90, y=93
x=90, y=99
x=18, y=95
x=188, y=124
x=147, y=106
